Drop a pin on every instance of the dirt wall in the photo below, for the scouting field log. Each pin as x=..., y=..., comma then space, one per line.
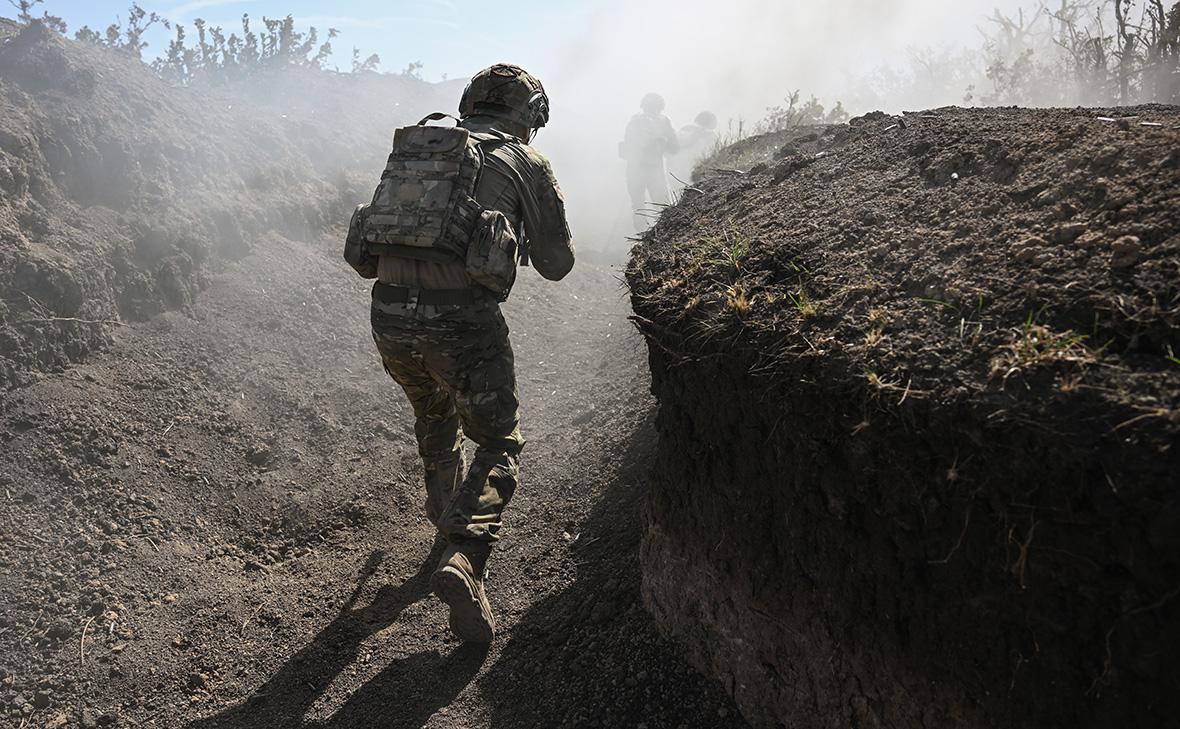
x=118, y=192
x=898, y=482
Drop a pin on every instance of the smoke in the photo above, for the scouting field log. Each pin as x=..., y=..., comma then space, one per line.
x=735, y=58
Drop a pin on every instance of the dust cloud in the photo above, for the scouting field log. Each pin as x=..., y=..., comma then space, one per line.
x=735, y=58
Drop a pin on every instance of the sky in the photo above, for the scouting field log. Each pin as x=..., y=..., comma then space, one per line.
x=451, y=38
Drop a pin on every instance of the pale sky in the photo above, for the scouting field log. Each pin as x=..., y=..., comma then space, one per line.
x=454, y=38
x=450, y=37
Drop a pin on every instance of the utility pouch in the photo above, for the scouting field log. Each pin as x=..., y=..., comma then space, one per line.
x=493, y=254
x=355, y=250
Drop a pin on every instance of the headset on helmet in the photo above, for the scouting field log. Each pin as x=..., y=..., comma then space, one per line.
x=511, y=91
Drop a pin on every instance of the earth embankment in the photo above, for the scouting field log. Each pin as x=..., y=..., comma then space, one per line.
x=919, y=402
x=120, y=193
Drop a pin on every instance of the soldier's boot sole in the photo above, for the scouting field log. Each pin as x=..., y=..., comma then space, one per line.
x=471, y=614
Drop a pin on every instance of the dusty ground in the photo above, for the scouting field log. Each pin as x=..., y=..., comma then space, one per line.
x=218, y=524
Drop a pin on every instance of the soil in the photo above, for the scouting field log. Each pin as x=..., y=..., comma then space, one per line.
x=918, y=387
x=117, y=190
x=212, y=503
x=225, y=512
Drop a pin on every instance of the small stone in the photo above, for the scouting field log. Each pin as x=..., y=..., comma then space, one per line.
x=41, y=699
x=723, y=712
x=1047, y=197
x=1126, y=250
x=1089, y=239
x=89, y=720
x=170, y=598
x=1068, y=232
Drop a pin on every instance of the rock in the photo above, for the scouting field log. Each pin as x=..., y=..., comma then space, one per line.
x=1024, y=250
x=1069, y=232
x=1089, y=239
x=1126, y=250
x=89, y=721
x=1031, y=241
x=42, y=699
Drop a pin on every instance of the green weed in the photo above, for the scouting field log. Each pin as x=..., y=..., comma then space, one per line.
x=940, y=302
x=726, y=251
x=803, y=303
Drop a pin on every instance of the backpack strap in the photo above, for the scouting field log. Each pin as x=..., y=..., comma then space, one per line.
x=437, y=116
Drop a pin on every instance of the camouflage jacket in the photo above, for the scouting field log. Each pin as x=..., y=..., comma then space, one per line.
x=647, y=139
x=519, y=182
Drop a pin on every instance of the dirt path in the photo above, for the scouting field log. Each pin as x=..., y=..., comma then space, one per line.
x=218, y=524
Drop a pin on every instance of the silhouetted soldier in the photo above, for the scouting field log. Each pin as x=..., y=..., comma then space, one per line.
x=442, y=237
x=697, y=141
x=649, y=138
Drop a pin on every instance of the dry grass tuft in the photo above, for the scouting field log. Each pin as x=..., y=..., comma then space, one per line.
x=738, y=299
x=1036, y=345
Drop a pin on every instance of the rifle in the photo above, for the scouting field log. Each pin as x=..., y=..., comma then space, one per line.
x=524, y=247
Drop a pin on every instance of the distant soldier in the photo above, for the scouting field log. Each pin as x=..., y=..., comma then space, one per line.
x=442, y=237
x=649, y=138
x=697, y=141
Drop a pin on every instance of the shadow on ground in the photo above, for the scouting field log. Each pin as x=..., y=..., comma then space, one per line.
x=590, y=656
x=284, y=700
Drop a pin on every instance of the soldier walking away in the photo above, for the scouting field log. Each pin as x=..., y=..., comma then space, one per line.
x=697, y=140
x=456, y=211
x=649, y=138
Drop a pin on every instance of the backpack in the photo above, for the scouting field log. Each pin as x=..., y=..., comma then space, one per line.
x=425, y=208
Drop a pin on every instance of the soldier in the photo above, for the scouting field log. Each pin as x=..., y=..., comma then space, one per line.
x=441, y=335
x=649, y=137
x=697, y=140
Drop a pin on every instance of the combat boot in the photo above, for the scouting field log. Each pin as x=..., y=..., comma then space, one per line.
x=458, y=582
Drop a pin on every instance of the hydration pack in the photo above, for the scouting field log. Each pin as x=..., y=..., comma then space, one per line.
x=425, y=206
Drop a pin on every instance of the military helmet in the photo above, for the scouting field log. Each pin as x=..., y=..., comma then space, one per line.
x=507, y=91
x=652, y=103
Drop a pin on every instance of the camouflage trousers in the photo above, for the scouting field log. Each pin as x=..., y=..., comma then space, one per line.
x=646, y=183
x=455, y=364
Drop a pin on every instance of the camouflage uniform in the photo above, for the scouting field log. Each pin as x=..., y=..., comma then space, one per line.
x=453, y=357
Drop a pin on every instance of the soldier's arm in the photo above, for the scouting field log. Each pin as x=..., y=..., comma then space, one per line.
x=551, y=247
x=671, y=143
